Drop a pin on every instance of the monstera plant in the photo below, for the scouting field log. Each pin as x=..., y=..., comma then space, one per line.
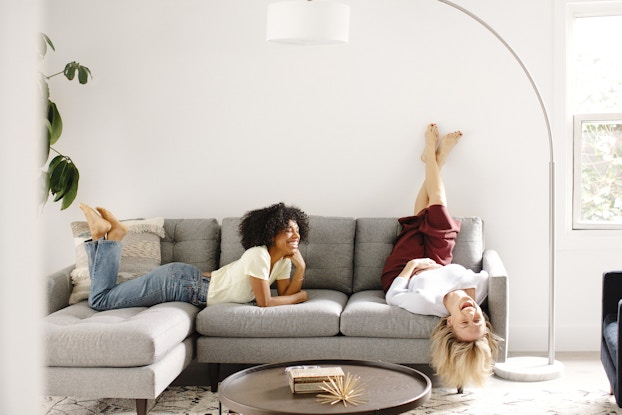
x=61, y=175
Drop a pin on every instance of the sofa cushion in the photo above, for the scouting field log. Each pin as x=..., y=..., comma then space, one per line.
x=141, y=253
x=328, y=252
x=79, y=336
x=317, y=317
x=469, y=243
x=192, y=241
x=610, y=334
x=374, y=242
x=367, y=315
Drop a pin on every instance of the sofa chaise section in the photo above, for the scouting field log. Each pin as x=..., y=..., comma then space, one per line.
x=132, y=353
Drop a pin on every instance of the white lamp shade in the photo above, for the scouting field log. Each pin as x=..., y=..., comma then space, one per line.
x=303, y=22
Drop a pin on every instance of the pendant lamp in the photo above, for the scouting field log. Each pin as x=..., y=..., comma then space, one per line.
x=308, y=22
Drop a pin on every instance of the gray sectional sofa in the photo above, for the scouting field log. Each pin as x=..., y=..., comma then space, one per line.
x=137, y=352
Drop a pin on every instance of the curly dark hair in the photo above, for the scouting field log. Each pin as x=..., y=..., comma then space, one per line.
x=259, y=227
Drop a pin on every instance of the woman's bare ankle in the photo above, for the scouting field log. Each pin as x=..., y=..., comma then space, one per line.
x=431, y=141
x=448, y=142
x=118, y=230
x=98, y=226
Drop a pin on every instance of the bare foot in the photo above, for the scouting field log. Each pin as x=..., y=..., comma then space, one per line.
x=446, y=145
x=431, y=141
x=97, y=225
x=117, y=230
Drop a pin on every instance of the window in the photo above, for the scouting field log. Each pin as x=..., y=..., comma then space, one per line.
x=598, y=171
x=597, y=99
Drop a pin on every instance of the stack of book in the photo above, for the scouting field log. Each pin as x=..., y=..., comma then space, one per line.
x=311, y=379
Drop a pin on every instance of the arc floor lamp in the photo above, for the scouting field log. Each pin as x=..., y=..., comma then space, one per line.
x=321, y=22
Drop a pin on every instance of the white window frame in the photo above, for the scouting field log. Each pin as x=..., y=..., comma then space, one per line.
x=577, y=223
x=577, y=10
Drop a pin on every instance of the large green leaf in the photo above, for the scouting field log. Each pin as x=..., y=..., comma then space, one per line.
x=64, y=181
x=83, y=74
x=72, y=188
x=56, y=174
x=43, y=46
x=56, y=123
x=55, y=161
x=45, y=137
x=63, y=177
x=70, y=70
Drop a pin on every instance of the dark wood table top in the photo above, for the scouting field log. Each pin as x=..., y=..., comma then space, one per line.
x=388, y=389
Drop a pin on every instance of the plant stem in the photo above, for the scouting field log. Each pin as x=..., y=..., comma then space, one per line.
x=58, y=73
x=61, y=154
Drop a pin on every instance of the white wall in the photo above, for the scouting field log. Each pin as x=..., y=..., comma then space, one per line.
x=190, y=113
x=21, y=296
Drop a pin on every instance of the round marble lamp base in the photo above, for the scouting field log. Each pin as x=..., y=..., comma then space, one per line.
x=529, y=369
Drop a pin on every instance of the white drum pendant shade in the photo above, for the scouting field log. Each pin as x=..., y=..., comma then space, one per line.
x=304, y=22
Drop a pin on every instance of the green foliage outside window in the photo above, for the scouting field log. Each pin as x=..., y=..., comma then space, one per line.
x=601, y=172
x=597, y=95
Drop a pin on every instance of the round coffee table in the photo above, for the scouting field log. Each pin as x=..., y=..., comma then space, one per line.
x=388, y=389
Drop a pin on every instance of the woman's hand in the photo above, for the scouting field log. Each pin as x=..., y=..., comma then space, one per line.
x=424, y=264
x=417, y=265
x=297, y=260
x=264, y=298
x=289, y=289
x=302, y=296
x=294, y=284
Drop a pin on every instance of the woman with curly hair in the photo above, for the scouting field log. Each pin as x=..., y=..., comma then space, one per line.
x=419, y=277
x=270, y=236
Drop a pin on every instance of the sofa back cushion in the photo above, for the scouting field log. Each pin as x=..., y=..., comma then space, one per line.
x=192, y=241
x=328, y=252
x=374, y=242
x=231, y=248
x=470, y=244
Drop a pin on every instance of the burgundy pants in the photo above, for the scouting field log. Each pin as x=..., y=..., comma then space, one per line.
x=430, y=234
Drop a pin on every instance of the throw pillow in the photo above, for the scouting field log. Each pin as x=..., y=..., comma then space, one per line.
x=140, y=254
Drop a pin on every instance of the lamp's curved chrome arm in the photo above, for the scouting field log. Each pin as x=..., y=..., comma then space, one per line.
x=551, y=347
x=520, y=62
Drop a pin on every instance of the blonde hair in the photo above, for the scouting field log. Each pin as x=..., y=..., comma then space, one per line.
x=458, y=362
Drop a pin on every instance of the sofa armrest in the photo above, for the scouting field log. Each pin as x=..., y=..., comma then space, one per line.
x=612, y=292
x=498, y=298
x=59, y=289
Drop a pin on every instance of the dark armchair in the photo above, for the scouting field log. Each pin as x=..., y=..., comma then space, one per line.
x=611, y=327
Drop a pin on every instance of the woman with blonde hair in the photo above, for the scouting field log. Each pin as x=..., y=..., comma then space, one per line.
x=418, y=276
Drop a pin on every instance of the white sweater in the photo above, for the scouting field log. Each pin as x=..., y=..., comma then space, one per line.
x=424, y=293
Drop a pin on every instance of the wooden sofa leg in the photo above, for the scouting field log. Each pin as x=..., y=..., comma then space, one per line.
x=214, y=375
x=141, y=406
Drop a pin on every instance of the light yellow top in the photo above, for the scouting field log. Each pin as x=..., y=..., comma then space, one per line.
x=232, y=284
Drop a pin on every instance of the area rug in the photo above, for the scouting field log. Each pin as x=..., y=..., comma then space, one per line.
x=197, y=400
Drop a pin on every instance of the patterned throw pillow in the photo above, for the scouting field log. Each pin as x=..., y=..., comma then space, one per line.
x=140, y=254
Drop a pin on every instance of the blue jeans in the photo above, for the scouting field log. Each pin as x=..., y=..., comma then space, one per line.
x=170, y=282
